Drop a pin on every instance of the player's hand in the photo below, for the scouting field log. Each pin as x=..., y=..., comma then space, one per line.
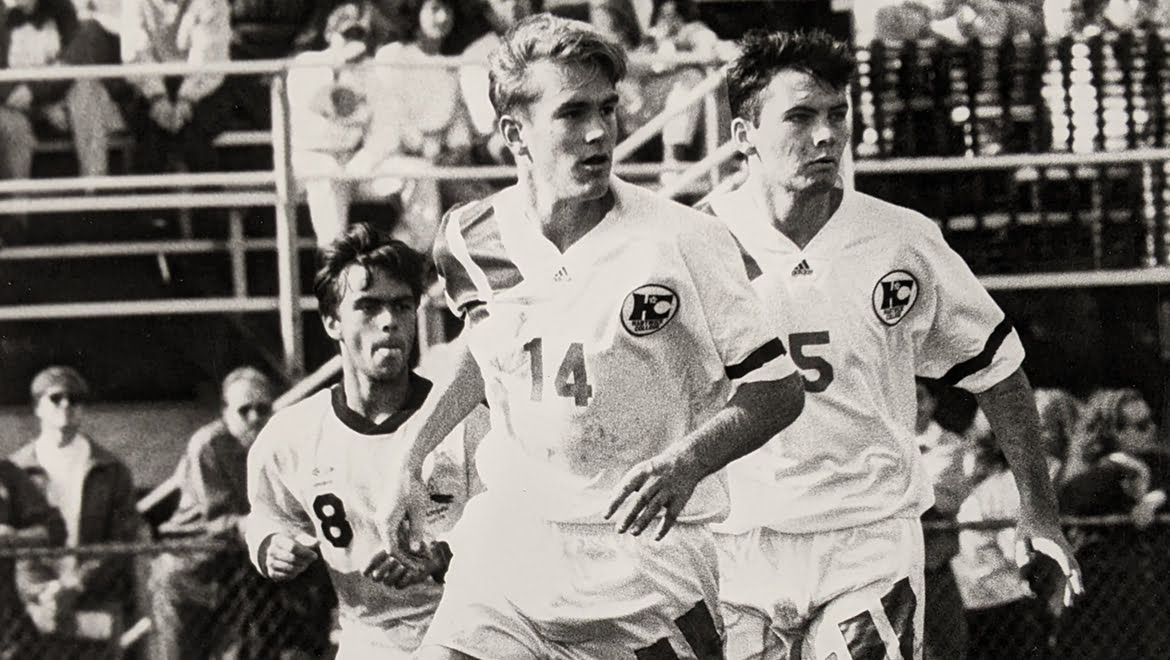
x=661, y=485
x=1047, y=562
x=286, y=557
x=403, y=564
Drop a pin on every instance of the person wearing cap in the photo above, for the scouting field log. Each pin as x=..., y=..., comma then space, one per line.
x=77, y=602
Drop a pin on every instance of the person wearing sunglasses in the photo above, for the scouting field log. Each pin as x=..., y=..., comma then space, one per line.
x=72, y=599
x=192, y=611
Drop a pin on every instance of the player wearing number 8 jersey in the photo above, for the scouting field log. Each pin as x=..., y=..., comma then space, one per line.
x=823, y=549
x=315, y=472
x=605, y=326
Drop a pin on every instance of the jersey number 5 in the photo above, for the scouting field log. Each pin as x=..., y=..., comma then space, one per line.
x=799, y=341
x=571, y=380
x=331, y=513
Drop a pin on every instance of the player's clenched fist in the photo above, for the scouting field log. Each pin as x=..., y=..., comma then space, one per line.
x=286, y=557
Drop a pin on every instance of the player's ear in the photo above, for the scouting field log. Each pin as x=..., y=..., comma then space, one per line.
x=510, y=130
x=332, y=326
x=741, y=134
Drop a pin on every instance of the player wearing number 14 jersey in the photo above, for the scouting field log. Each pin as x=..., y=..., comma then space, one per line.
x=315, y=473
x=606, y=326
x=823, y=549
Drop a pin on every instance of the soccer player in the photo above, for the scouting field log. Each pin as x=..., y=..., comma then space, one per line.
x=315, y=471
x=606, y=326
x=823, y=549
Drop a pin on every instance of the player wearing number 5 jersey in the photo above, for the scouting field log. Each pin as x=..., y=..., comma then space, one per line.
x=823, y=549
x=315, y=472
x=605, y=326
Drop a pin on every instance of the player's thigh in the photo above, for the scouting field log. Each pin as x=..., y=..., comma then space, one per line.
x=880, y=620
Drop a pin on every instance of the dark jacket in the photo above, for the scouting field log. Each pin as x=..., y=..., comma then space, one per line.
x=107, y=514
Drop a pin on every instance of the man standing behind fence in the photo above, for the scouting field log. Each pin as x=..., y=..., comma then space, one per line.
x=823, y=549
x=201, y=600
x=319, y=467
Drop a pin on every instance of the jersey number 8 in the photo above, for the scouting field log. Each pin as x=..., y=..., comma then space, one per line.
x=331, y=514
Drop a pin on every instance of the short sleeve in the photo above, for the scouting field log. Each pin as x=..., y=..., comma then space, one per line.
x=743, y=331
x=966, y=341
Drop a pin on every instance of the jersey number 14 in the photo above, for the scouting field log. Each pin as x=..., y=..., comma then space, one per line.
x=571, y=381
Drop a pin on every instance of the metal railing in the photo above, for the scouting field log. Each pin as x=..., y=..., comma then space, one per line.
x=236, y=191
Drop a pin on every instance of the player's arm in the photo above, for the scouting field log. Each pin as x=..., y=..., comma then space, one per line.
x=756, y=412
x=457, y=390
x=1011, y=410
x=279, y=534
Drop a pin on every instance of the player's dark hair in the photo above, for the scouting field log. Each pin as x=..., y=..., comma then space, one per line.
x=763, y=54
x=547, y=37
x=363, y=245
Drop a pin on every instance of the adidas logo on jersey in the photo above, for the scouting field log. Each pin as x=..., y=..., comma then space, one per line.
x=562, y=275
x=802, y=268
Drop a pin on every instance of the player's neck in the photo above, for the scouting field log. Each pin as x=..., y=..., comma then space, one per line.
x=799, y=215
x=376, y=400
x=50, y=437
x=564, y=221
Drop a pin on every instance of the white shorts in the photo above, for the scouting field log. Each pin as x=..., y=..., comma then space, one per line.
x=855, y=593
x=519, y=587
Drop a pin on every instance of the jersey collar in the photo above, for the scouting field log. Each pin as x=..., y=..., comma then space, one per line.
x=417, y=390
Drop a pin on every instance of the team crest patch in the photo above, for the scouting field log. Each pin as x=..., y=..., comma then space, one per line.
x=648, y=309
x=894, y=296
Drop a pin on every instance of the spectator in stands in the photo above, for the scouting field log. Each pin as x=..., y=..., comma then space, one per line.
x=421, y=120
x=676, y=31
x=190, y=591
x=79, y=603
x=473, y=80
x=1060, y=412
x=945, y=455
x=1002, y=611
x=26, y=519
x=176, y=118
x=1113, y=469
x=330, y=118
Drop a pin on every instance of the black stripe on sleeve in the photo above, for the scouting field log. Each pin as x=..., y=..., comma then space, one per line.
x=758, y=358
x=979, y=362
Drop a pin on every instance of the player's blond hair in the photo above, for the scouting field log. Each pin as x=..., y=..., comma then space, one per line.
x=546, y=37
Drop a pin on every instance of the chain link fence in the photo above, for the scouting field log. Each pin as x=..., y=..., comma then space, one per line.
x=231, y=612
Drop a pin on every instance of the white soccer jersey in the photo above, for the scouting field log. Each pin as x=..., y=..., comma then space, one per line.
x=598, y=358
x=318, y=468
x=875, y=298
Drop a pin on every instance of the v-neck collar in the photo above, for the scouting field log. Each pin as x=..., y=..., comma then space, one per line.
x=753, y=223
x=417, y=390
x=532, y=252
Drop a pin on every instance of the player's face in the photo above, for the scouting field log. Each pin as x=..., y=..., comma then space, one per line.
x=375, y=324
x=1135, y=426
x=802, y=133
x=58, y=409
x=569, y=131
x=247, y=405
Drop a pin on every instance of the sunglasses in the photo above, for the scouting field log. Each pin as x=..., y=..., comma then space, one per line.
x=58, y=397
x=261, y=409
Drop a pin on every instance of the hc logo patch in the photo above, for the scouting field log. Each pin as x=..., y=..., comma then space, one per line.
x=648, y=309
x=894, y=296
